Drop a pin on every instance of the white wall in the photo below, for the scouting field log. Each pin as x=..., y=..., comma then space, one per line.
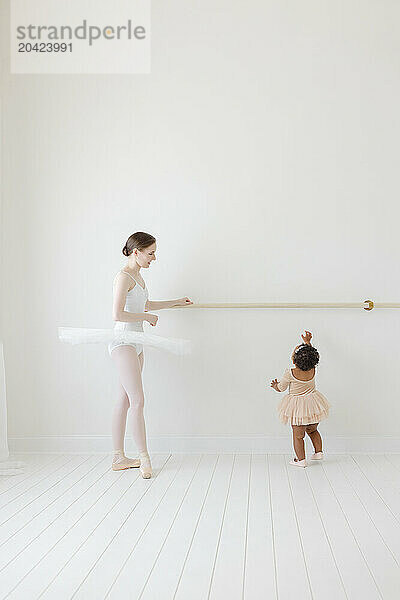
x=262, y=152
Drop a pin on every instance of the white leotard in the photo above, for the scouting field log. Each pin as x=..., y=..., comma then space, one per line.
x=135, y=303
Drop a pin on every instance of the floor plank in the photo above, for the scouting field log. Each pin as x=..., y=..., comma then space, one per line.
x=260, y=568
x=290, y=557
x=228, y=573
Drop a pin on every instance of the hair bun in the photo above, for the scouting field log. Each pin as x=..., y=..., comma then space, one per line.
x=139, y=241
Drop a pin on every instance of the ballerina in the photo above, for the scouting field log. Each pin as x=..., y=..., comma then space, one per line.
x=125, y=346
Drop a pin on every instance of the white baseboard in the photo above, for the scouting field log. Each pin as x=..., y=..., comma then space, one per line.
x=204, y=444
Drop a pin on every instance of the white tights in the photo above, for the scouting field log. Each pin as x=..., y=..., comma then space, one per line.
x=130, y=395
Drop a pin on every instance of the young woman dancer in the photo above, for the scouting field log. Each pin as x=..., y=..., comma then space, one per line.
x=130, y=304
x=125, y=345
x=303, y=406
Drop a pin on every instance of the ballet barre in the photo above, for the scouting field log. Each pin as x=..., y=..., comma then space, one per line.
x=366, y=305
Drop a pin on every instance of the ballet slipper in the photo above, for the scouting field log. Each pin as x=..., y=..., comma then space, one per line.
x=120, y=461
x=145, y=465
x=317, y=456
x=298, y=463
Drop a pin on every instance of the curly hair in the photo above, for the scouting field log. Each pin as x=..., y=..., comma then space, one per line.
x=306, y=357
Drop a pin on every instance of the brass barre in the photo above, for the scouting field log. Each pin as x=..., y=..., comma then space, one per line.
x=366, y=305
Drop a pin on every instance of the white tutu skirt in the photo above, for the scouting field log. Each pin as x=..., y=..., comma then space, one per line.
x=83, y=335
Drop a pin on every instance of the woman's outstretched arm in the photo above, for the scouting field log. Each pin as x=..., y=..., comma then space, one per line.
x=159, y=304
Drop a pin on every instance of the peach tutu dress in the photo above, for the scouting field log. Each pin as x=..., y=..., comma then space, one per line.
x=303, y=404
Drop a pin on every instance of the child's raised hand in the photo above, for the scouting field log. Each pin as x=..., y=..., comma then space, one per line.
x=307, y=337
x=274, y=384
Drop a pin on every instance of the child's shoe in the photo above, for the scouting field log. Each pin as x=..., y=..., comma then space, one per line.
x=317, y=456
x=120, y=461
x=298, y=463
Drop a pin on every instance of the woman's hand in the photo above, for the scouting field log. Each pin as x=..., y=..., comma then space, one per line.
x=274, y=384
x=152, y=319
x=307, y=337
x=183, y=302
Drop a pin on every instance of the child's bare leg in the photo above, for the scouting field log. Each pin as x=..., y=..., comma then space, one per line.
x=314, y=436
x=298, y=440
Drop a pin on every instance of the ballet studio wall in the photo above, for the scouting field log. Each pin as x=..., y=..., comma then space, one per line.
x=263, y=152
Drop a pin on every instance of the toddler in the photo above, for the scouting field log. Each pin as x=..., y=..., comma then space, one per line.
x=303, y=406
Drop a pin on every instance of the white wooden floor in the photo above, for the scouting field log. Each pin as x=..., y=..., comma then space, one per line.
x=205, y=527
